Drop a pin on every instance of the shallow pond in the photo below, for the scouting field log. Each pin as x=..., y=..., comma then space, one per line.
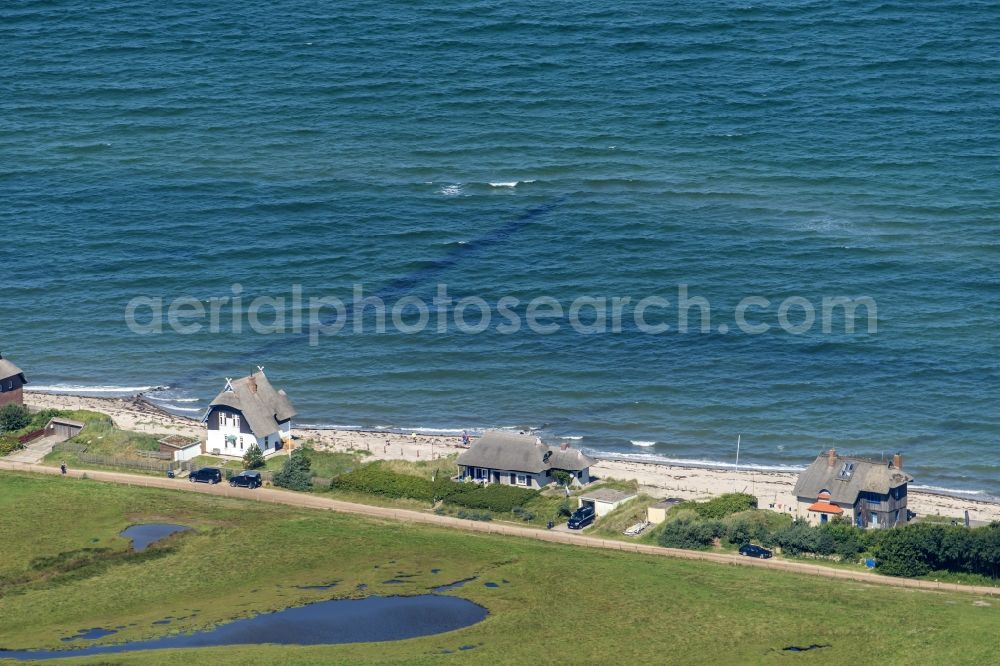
x=327, y=622
x=144, y=535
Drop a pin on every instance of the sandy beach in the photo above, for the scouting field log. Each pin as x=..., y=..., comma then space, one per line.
x=773, y=489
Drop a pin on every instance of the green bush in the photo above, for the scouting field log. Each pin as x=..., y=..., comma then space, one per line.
x=721, y=506
x=9, y=444
x=690, y=534
x=374, y=480
x=474, y=515
x=496, y=498
x=14, y=417
x=295, y=473
x=254, y=457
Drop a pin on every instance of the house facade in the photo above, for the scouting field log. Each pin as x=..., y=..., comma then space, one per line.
x=868, y=493
x=248, y=411
x=11, y=383
x=514, y=459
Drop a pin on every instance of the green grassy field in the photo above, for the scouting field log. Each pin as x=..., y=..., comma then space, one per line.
x=562, y=604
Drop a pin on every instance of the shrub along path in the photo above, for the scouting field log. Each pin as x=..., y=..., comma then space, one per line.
x=308, y=500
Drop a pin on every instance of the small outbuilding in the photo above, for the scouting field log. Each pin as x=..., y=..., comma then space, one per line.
x=11, y=382
x=606, y=500
x=181, y=448
x=657, y=513
x=63, y=428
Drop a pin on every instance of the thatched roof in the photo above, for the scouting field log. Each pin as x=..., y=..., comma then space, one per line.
x=8, y=370
x=846, y=476
x=498, y=449
x=263, y=407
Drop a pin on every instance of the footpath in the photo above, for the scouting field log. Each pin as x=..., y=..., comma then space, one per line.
x=309, y=501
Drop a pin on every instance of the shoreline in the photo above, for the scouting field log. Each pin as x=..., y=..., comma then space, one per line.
x=773, y=488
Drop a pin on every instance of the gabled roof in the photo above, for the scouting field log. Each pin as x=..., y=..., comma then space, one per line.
x=498, y=449
x=846, y=476
x=8, y=370
x=263, y=407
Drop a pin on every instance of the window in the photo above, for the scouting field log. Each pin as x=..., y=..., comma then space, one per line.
x=522, y=479
x=847, y=471
x=236, y=420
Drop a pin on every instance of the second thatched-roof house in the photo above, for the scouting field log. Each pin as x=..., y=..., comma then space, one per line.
x=521, y=460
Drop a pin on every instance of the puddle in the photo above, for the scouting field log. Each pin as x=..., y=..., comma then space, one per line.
x=491, y=585
x=143, y=536
x=327, y=622
x=162, y=622
x=90, y=634
x=393, y=581
x=807, y=648
x=327, y=586
x=454, y=586
x=465, y=648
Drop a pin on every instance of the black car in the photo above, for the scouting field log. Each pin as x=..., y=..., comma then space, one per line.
x=751, y=550
x=246, y=479
x=581, y=517
x=206, y=475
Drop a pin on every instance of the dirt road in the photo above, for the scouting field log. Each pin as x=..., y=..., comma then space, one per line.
x=309, y=501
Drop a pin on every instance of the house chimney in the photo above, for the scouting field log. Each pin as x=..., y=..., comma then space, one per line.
x=564, y=446
x=897, y=460
x=253, y=384
x=831, y=457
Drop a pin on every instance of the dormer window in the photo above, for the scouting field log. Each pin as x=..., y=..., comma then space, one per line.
x=846, y=472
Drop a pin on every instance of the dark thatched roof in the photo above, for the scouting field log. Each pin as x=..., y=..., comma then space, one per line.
x=498, y=449
x=8, y=370
x=846, y=476
x=264, y=407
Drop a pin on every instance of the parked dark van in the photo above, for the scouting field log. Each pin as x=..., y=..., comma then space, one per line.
x=750, y=550
x=246, y=479
x=206, y=475
x=582, y=517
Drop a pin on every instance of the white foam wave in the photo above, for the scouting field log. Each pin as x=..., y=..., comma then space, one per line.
x=75, y=388
x=159, y=399
x=642, y=442
x=688, y=462
x=175, y=408
x=451, y=190
x=575, y=438
x=510, y=183
x=979, y=494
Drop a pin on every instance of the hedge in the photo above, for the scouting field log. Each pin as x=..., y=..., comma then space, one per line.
x=373, y=479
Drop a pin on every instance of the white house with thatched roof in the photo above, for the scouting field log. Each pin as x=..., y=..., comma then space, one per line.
x=868, y=493
x=516, y=459
x=248, y=411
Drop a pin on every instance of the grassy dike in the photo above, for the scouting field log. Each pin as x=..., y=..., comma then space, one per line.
x=562, y=604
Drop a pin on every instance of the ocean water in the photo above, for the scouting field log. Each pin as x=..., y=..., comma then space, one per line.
x=523, y=149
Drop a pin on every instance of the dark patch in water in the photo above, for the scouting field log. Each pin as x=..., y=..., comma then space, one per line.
x=89, y=634
x=491, y=585
x=454, y=586
x=796, y=648
x=317, y=587
x=325, y=623
x=144, y=535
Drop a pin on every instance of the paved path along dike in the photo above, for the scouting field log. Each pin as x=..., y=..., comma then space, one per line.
x=309, y=501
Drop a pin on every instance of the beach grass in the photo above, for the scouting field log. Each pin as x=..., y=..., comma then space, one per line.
x=561, y=604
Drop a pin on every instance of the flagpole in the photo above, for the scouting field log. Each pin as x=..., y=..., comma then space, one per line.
x=738, y=437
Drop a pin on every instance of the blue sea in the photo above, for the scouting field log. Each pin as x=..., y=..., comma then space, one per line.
x=527, y=150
